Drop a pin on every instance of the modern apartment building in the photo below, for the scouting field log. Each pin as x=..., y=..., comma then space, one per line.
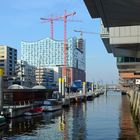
x=48, y=52
x=123, y=42
x=44, y=76
x=120, y=33
x=8, y=59
x=25, y=74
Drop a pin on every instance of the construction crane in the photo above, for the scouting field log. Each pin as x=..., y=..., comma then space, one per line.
x=81, y=32
x=51, y=20
x=64, y=17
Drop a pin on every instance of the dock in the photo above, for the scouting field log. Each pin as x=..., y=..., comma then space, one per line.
x=15, y=107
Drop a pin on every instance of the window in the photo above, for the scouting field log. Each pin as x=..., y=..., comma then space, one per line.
x=10, y=57
x=10, y=73
x=132, y=59
x=10, y=61
x=137, y=59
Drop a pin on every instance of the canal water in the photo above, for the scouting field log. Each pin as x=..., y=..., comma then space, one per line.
x=107, y=117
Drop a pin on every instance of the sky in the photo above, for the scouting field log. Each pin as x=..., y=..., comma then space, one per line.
x=20, y=21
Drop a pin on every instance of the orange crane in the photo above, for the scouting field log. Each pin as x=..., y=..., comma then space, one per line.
x=51, y=20
x=81, y=32
x=64, y=17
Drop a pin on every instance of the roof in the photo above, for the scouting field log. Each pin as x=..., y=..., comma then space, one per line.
x=39, y=87
x=115, y=12
x=15, y=86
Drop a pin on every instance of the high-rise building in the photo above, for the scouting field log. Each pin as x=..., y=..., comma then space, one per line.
x=48, y=52
x=8, y=59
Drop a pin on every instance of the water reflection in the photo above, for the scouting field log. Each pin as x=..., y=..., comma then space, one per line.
x=28, y=125
x=79, y=122
x=105, y=118
x=127, y=126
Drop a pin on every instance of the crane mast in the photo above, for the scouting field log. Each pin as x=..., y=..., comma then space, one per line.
x=51, y=20
x=64, y=17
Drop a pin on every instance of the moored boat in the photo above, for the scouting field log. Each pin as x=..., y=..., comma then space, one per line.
x=34, y=111
x=51, y=105
x=2, y=120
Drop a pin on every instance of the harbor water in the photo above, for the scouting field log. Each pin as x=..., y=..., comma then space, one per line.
x=107, y=117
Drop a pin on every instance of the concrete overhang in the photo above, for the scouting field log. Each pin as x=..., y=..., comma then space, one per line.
x=129, y=65
x=122, y=41
x=129, y=50
x=106, y=43
x=121, y=49
x=115, y=12
x=125, y=52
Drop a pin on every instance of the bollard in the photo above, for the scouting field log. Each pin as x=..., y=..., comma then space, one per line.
x=63, y=87
x=137, y=106
x=105, y=88
x=97, y=86
x=92, y=87
x=60, y=85
x=1, y=92
x=84, y=88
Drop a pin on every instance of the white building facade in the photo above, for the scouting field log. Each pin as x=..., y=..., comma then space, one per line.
x=48, y=52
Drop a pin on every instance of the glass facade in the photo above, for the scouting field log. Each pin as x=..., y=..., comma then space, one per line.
x=127, y=59
x=48, y=52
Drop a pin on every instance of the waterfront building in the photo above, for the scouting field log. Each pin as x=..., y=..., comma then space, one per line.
x=120, y=34
x=57, y=73
x=50, y=53
x=45, y=76
x=25, y=74
x=123, y=43
x=8, y=59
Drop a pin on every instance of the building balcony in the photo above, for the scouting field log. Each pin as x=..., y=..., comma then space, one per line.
x=122, y=41
x=105, y=38
x=125, y=41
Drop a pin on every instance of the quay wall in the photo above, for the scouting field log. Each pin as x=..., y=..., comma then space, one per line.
x=134, y=98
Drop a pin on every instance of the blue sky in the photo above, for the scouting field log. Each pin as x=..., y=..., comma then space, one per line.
x=20, y=21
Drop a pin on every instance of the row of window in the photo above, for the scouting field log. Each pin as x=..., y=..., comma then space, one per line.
x=127, y=59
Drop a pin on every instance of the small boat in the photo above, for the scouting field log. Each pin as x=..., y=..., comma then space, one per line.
x=51, y=105
x=2, y=120
x=34, y=111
